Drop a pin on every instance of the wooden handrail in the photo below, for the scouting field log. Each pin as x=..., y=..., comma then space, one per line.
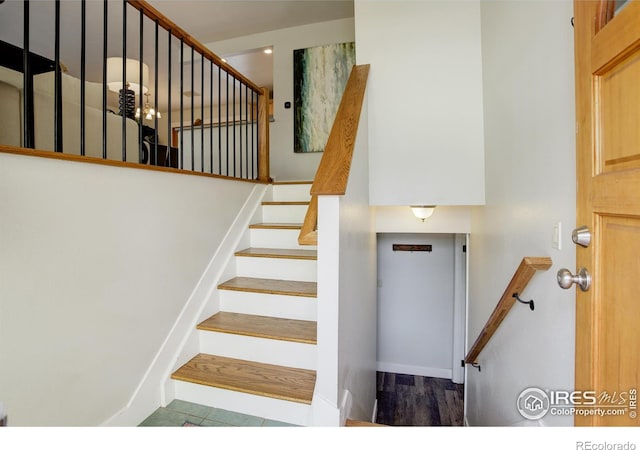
x=333, y=172
x=153, y=14
x=309, y=233
x=521, y=278
x=263, y=92
x=259, y=103
x=11, y=150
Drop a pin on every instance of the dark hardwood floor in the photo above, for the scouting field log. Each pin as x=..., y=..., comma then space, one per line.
x=411, y=400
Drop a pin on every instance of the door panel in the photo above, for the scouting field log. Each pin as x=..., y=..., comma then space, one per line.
x=608, y=201
x=617, y=310
x=617, y=91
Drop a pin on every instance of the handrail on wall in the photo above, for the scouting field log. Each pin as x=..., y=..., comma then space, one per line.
x=527, y=268
x=333, y=172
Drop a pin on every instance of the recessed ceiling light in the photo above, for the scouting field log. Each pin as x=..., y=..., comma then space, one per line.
x=268, y=51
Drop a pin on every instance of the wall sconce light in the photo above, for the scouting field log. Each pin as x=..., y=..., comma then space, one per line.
x=423, y=212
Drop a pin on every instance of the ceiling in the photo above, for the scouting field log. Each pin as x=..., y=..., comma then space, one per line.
x=217, y=20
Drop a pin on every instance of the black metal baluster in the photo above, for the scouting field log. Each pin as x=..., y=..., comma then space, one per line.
x=28, y=133
x=57, y=94
x=240, y=116
x=141, y=158
x=168, y=162
x=234, y=126
x=219, y=117
x=83, y=74
x=246, y=125
x=258, y=134
x=211, y=114
x=226, y=125
x=181, y=103
x=192, y=118
x=155, y=95
x=104, y=79
x=253, y=128
x=123, y=93
x=202, y=114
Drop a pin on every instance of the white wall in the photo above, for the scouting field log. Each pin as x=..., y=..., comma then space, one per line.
x=425, y=106
x=357, y=331
x=285, y=164
x=96, y=264
x=415, y=305
x=530, y=172
x=346, y=383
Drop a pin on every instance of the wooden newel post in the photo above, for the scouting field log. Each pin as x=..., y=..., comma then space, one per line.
x=263, y=138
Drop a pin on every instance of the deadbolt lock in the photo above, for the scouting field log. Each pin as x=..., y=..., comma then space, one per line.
x=581, y=236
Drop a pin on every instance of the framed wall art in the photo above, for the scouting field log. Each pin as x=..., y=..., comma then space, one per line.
x=320, y=75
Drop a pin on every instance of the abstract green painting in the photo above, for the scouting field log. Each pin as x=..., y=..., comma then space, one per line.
x=320, y=75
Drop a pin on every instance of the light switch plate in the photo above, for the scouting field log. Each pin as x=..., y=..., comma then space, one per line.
x=556, y=241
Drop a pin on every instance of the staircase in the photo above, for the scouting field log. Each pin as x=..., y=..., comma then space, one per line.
x=258, y=353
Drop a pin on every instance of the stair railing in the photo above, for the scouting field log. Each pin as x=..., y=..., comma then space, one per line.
x=527, y=268
x=333, y=171
x=232, y=109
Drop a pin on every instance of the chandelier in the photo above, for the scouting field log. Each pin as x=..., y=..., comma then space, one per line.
x=148, y=112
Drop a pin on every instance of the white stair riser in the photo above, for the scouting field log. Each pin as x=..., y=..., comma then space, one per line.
x=284, y=306
x=250, y=348
x=276, y=238
x=255, y=405
x=277, y=268
x=291, y=192
x=283, y=213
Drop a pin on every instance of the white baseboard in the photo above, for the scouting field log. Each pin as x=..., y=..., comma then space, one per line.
x=414, y=370
x=324, y=414
x=374, y=416
x=345, y=406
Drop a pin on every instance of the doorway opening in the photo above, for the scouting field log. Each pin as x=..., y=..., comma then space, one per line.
x=422, y=295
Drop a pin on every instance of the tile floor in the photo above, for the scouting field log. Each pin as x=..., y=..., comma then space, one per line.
x=178, y=413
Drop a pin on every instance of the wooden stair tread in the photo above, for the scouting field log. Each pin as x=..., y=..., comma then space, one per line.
x=270, y=286
x=302, y=331
x=286, y=203
x=361, y=423
x=279, y=253
x=277, y=226
x=279, y=183
x=284, y=383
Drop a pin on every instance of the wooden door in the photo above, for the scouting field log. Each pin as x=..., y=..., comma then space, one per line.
x=607, y=52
